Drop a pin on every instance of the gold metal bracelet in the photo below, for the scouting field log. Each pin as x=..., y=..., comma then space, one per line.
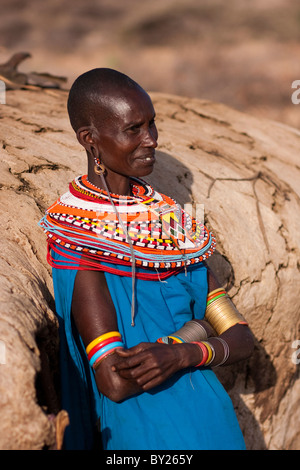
x=222, y=314
x=191, y=331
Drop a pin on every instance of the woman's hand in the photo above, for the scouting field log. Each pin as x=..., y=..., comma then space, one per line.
x=150, y=364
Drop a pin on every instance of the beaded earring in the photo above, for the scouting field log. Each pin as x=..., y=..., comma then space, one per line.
x=99, y=168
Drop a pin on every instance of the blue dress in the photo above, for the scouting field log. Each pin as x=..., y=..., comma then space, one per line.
x=190, y=411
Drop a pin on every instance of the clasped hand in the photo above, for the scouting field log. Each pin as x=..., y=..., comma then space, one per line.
x=150, y=364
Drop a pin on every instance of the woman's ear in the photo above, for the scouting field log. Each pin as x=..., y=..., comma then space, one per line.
x=85, y=137
x=88, y=137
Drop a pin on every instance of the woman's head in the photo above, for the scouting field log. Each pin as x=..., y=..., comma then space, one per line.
x=114, y=120
x=90, y=91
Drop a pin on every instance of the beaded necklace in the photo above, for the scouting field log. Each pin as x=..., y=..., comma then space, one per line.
x=92, y=229
x=163, y=235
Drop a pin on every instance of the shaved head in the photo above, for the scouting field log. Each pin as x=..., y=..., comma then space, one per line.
x=94, y=92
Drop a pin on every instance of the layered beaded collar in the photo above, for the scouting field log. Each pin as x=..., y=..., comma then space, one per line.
x=140, y=190
x=86, y=221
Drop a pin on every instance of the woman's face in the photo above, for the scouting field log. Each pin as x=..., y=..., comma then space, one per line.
x=127, y=137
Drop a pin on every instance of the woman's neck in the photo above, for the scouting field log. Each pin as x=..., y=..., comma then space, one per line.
x=119, y=184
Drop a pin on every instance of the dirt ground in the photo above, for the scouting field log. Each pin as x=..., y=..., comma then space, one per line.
x=242, y=53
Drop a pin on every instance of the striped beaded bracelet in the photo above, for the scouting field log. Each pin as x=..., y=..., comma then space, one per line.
x=171, y=339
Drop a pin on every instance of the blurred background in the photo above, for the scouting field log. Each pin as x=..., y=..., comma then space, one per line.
x=244, y=53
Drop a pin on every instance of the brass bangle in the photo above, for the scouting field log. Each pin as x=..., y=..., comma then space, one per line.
x=226, y=352
x=191, y=331
x=222, y=315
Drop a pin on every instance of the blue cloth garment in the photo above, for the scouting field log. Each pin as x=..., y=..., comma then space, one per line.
x=190, y=411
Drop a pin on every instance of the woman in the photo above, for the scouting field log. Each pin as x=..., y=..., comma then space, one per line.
x=132, y=290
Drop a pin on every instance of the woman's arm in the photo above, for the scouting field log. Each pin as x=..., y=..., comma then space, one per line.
x=150, y=364
x=239, y=337
x=94, y=314
x=144, y=365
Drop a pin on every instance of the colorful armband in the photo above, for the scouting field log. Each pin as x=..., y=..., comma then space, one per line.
x=208, y=353
x=103, y=346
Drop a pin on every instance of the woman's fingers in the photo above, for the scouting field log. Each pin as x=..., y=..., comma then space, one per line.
x=145, y=377
x=133, y=356
x=146, y=365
